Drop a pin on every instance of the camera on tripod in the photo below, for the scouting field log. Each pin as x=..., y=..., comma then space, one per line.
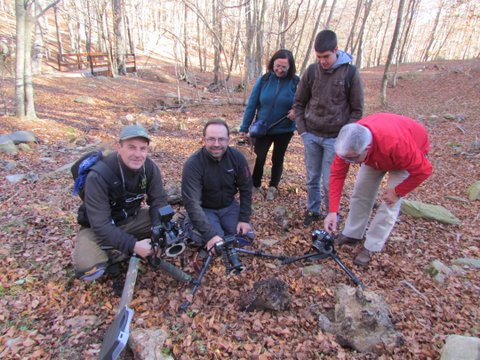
x=168, y=236
x=322, y=242
x=227, y=248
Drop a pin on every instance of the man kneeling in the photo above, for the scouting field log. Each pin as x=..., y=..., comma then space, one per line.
x=211, y=178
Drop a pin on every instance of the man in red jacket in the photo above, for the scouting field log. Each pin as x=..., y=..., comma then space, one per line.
x=382, y=143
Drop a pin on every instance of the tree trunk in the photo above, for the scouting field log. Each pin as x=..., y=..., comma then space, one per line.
x=368, y=6
x=391, y=52
x=426, y=55
x=25, y=21
x=59, y=39
x=330, y=15
x=384, y=37
x=38, y=44
x=119, y=34
x=306, y=59
x=217, y=28
x=350, y=41
x=260, y=15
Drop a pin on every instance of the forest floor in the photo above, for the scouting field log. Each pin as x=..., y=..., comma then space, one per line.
x=46, y=313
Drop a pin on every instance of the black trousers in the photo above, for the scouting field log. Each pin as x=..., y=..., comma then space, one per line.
x=262, y=145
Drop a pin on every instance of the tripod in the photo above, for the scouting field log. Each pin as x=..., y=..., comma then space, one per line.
x=229, y=252
x=322, y=244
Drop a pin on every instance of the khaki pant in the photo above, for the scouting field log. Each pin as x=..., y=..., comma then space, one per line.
x=361, y=204
x=88, y=255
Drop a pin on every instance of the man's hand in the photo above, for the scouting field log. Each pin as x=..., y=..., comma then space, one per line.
x=330, y=222
x=143, y=248
x=211, y=244
x=243, y=228
x=390, y=197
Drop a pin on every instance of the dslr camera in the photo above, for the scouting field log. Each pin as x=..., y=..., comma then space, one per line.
x=322, y=242
x=227, y=249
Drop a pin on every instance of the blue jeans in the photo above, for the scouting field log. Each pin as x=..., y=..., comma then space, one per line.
x=319, y=154
x=224, y=221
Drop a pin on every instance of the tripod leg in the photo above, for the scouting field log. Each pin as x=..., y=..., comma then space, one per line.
x=306, y=256
x=352, y=276
x=197, y=283
x=261, y=254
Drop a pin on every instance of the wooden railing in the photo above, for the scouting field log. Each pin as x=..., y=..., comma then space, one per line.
x=99, y=63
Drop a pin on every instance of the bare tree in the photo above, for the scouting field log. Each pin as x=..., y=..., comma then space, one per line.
x=25, y=23
x=312, y=37
x=366, y=13
x=431, y=39
x=391, y=52
x=350, y=41
x=119, y=34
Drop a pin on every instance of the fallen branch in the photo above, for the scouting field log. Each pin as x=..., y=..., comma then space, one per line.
x=427, y=301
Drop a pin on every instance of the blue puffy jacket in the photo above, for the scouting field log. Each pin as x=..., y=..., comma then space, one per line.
x=263, y=103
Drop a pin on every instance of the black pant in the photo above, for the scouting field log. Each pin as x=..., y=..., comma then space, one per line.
x=262, y=145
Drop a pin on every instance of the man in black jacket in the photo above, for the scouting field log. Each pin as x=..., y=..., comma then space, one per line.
x=211, y=178
x=115, y=219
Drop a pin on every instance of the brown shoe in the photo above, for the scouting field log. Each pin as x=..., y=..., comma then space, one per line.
x=345, y=240
x=363, y=257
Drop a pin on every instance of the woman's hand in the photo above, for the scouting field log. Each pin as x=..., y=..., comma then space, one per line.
x=291, y=114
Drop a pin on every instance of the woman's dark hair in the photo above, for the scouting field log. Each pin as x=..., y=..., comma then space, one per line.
x=284, y=54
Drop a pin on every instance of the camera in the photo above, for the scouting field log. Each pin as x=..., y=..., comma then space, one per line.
x=226, y=248
x=168, y=235
x=322, y=242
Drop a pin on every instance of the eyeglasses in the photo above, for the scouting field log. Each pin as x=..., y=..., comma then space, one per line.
x=352, y=159
x=211, y=140
x=281, y=67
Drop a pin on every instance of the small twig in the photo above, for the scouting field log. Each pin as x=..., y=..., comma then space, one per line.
x=416, y=291
x=451, y=182
x=460, y=128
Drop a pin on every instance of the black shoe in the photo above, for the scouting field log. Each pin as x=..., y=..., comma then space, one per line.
x=310, y=218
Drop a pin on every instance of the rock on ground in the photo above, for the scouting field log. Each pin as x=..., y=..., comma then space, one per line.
x=459, y=347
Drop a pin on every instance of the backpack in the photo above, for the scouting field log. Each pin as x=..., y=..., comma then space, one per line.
x=92, y=161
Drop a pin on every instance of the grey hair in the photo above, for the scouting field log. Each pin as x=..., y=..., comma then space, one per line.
x=352, y=137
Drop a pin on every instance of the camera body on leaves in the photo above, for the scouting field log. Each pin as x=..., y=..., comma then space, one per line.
x=227, y=249
x=322, y=242
x=168, y=235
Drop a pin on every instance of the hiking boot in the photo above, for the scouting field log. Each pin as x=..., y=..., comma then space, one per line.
x=272, y=191
x=310, y=218
x=345, y=240
x=363, y=257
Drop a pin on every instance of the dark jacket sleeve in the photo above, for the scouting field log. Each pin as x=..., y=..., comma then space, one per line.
x=99, y=215
x=356, y=99
x=156, y=195
x=244, y=185
x=192, y=197
x=302, y=97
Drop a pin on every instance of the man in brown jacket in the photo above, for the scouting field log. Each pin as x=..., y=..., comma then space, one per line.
x=329, y=95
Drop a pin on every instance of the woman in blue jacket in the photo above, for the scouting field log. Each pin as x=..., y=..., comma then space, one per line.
x=271, y=99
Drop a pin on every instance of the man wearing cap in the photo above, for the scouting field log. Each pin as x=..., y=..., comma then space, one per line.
x=115, y=219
